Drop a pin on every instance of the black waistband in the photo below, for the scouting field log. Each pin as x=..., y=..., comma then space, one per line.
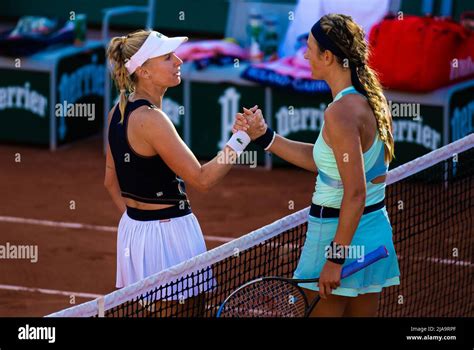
x=160, y=214
x=318, y=211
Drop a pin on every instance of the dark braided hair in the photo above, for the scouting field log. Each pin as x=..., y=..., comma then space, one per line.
x=350, y=38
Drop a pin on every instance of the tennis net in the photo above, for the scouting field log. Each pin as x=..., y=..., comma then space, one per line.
x=429, y=201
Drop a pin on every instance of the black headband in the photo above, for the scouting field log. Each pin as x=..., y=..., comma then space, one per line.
x=326, y=43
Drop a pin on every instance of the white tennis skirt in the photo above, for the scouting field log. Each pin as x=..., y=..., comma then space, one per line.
x=147, y=247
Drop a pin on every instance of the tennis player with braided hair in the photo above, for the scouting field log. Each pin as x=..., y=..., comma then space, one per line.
x=351, y=157
x=147, y=163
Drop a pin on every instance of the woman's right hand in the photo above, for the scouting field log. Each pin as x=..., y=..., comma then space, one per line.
x=251, y=122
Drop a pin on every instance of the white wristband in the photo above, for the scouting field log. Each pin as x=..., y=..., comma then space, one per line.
x=239, y=141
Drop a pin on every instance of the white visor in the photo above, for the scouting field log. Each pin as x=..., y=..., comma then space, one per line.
x=155, y=45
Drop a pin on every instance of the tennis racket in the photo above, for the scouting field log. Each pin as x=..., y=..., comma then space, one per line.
x=283, y=297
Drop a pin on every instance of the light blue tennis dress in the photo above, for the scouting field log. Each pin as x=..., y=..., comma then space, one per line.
x=374, y=228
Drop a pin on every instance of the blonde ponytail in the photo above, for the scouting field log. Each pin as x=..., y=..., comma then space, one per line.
x=119, y=51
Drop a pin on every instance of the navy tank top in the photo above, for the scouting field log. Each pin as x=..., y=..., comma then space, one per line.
x=143, y=178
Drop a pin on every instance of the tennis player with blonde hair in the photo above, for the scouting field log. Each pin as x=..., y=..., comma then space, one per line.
x=351, y=158
x=148, y=164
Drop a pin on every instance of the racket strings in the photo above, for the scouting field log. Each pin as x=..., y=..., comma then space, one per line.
x=267, y=298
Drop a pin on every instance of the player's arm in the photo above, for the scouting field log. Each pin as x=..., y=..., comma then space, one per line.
x=158, y=131
x=294, y=152
x=110, y=180
x=345, y=141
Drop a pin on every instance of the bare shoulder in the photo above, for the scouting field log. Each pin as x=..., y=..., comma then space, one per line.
x=150, y=116
x=356, y=104
x=340, y=115
x=152, y=123
x=347, y=112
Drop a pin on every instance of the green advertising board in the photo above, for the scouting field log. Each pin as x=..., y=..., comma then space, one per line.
x=213, y=110
x=24, y=106
x=79, y=104
x=173, y=106
x=416, y=136
x=54, y=96
x=461, y=113
x=297, y=116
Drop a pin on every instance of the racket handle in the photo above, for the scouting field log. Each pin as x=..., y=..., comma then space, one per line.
x=375, y=255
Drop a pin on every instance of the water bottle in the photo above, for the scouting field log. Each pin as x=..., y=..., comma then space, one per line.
x=80, y=29
x=270, y=39
x=255, y=29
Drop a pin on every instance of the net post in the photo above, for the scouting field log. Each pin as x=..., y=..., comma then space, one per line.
x=100, y=307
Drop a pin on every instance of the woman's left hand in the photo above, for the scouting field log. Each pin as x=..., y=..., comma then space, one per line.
x=329, y=279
